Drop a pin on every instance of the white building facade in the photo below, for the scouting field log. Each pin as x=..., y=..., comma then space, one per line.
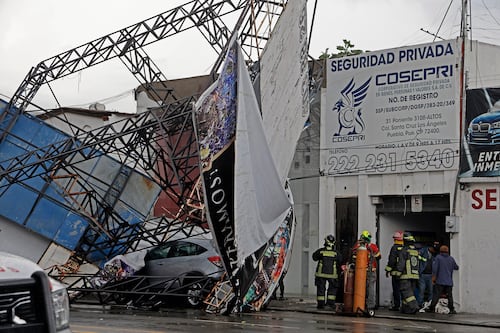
x=392, y=157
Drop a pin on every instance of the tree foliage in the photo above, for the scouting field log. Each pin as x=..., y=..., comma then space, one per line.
x=347, y=49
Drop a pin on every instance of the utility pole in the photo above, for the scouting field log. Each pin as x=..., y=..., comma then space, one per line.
x=462, y=141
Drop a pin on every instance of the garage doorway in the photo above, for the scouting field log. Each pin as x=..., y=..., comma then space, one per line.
x=427, y=225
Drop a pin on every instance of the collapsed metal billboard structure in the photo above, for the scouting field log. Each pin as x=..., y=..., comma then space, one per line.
x=161, y=141
x=157, y=148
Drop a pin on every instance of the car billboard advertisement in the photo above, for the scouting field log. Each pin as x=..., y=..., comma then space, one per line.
x=394, y=110
x=481, y=144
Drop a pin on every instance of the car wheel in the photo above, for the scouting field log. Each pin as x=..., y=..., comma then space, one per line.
x=194, y=291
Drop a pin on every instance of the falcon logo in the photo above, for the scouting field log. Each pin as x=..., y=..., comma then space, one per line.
x=350, y=118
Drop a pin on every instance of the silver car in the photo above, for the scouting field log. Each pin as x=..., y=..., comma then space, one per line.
x=188, y=266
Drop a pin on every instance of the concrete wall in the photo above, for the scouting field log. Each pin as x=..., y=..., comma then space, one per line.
x=477, y=246
x=21, y=241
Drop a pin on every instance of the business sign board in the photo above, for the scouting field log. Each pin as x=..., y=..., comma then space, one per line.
x=394, y=110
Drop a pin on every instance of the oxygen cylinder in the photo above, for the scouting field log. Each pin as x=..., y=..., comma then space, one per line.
x=348, y=287
x=359, y=299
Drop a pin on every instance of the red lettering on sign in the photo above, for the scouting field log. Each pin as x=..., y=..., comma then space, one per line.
x=477, y=203
x=487, y=199
x=491, y=198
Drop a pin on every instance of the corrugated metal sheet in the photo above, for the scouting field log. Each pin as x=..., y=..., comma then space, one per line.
x=16, y=203
x=40, y=204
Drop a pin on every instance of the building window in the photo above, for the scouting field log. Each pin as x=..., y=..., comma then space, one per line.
x=296, y=165
x=308, y=159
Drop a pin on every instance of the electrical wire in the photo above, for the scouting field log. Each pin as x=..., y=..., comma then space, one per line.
x=442, y=21
x=489, y=12
x=8, y=97
x=105, y=100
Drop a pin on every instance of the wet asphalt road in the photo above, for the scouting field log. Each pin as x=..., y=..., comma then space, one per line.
x=187, y=320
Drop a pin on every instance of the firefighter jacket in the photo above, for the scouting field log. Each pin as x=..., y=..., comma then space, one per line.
x=328, y=262
x=393, y=260
x=408, y=263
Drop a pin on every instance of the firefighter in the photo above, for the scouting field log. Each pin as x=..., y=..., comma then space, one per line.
x=327, y=273
x=408, y=267
x=391, y=269
x=371, y=275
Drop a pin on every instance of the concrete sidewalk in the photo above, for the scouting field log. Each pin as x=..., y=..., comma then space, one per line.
x=308, y=305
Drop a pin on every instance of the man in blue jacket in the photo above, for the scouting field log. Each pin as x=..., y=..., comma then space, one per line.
x=442, y=276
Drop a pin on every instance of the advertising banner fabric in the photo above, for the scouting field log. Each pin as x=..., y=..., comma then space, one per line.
x=246, y=201
x=284, y=85
x=215, y=119
x=261, y=201
x=481, y=144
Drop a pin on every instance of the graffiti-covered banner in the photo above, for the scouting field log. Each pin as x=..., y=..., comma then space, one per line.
x=481, y=144
x=394, y=110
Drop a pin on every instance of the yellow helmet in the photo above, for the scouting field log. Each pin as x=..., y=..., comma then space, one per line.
x=366, y=236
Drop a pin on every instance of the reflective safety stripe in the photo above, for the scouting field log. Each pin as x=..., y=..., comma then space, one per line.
x=320, y=298
x=392, y=272
x=332, y=297
x=409, y=299
x=328, y=276
x=412, y=264
x=330, y=256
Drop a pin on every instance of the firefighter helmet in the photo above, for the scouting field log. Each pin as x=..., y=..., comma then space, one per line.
x=366, y=236
x=407, y=237
x=398, y=235
x=329, y=240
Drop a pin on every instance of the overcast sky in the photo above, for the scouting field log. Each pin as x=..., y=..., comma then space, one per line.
x=33, y=30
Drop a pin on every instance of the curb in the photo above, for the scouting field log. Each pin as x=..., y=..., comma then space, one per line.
x=454, y=321
x=309, y=307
